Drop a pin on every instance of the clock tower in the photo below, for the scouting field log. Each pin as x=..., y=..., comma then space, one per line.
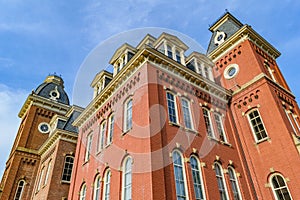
x=263, y=107
x=42, y=104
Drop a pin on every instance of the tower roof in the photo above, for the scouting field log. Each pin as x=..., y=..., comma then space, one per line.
x=53, y=88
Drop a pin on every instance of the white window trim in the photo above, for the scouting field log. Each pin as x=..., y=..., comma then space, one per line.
x=39, y=184
x=184, y=174
x=82, y=189
x=88, y=147
x=190, y=113
x=201, y=177
x=125, y=127
x=101, y=137
x=210, y=122
x=105, y=183
x=223, y=179
x=175, y=105
x=296, y=122
x=67, y=156
x=110, y=129
x=123, y=176
x=98, y=178
x=21, y=193
x=288, y=114
x=272, y=186
x=47, y=172
x=222, y=125
x=253, y=132
x=236, y=180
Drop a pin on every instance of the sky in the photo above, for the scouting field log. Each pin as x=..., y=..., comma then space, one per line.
x=38, y=38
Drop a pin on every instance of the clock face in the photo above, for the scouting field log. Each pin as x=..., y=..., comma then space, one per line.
x=219, y=38
x=44, y=127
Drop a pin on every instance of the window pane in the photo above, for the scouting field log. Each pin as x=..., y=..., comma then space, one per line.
x=179, y=177
x=186, y=113
x=196, y=178
x=171, y=108
x=220, y=181
x=207, y=122
x=257, y=125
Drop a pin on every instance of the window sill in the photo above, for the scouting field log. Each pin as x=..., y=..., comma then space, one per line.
x=192, y=131
x=263, y=140
x=212, y=138
x=85, y=162
x=174, y=124
x=125, y=132
x=65, y=182
x=225, y=143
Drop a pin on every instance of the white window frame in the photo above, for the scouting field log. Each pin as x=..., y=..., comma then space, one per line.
x=40, y=179
x=88, y=147
x=274, y=190
x=208, y=120
x=175, y=107
x=106, y=185
x=296, y=122
x=128, y=122
x=63, y=172
x=102, y=135
x=189, y=113
x=127, y=171
x=288, y=114
x=110, y=131
x=234, y=180
x=219, y=122
x=82, y=193
x=22, y=189
x=252, y=128
x=216, y=164
x=48, y=171
x=97, y=188
x=199, y=172
x=183, y=173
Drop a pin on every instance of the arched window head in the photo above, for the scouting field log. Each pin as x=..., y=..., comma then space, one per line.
x=97, y=185
x=82, y=193
x=106, y=185
x=19, y=191
x=197, y=178
x=127, y=178
x=221, y=182
x=280, y=188
x=234, y=184
x=179, y=175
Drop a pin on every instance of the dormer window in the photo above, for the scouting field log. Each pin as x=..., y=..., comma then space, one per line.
x=201, y=65
x=169, y=51
x=178, y=57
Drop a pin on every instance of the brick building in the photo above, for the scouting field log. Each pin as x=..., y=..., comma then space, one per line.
x=165, y=125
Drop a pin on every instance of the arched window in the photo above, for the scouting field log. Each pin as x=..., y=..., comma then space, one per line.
x=279, y=187
x=234, y=184
x=208, y=124
x=48, y=171
x=82, y=193
x=97, y=185
x=221, y=182
x=110, y=134
x=257, y=126
x=106, y=189
x=197, y=178
x=68, y=166
x=88, y=147
x=127, y=179
x=102, y=136
x=179, y=175
x=187, y=116
x=128, y=115
x=19, y=190
x=172, y=111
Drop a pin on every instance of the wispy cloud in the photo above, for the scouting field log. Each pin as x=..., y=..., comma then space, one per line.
x=6, y=63
x=10, y=104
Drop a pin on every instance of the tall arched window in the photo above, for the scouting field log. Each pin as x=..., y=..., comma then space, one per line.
x=97, y=185
x=221, y=181
x=234, y=184
x=82, y=193
x=179, y=175
x=127, y=179
x=128, y=115
x=19, y=190
x=279, y=187
x=110, y=134
x=102, y=136
x=106, y=188
x=197, y=178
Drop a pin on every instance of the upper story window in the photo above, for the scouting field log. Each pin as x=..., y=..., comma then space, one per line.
x=97, y=186
x=208, y=124
x=68, y=166
x=288, y=114
x=179, y=175
x=295, y=117
x=197, y=178
x=40, y=179
x=178, y=57
x=106, y=184
x=127, y=179
x=48, y=172
x=257, y=126
x=220, y=127
x=187, y=116
x=102, y=136
x=234, y=184
x=88, y=147
x=128, y=115
x=221, y=182
x=172, y=109
x=19, y=191
x=111, y=121
x=82, y=193
x=169, y=51
x=280, y=188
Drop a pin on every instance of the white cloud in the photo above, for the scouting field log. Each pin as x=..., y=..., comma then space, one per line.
x=10, y=104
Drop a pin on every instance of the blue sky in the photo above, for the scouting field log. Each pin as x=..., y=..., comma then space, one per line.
x=42, y=37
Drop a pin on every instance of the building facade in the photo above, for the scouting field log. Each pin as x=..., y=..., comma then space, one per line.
x=41, y=160
x=165, y=125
